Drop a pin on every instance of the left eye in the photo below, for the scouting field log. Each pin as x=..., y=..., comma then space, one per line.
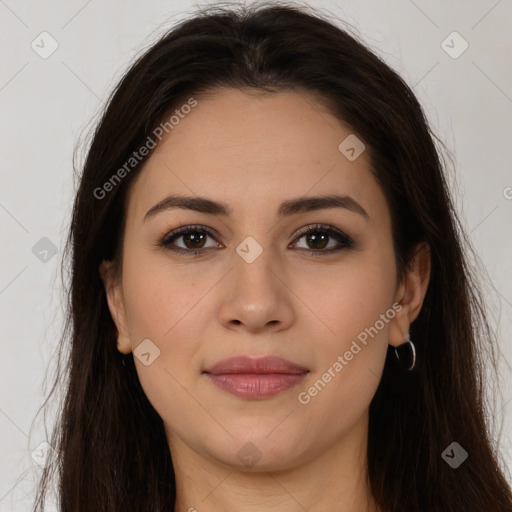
x=194, y=239
x=319, y=237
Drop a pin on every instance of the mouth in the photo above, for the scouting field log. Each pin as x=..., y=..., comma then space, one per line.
x=255, y=378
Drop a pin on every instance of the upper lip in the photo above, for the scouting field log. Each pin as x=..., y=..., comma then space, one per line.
x=258, y=365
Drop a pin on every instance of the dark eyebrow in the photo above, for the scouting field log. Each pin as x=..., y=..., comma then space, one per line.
x=287, y=208
x=305, y=204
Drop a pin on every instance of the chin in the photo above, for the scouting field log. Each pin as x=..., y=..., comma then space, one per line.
x=259, y=450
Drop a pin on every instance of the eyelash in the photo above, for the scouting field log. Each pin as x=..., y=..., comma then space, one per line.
x=345, y=241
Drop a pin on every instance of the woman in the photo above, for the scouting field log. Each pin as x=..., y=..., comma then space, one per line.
x=271, y=305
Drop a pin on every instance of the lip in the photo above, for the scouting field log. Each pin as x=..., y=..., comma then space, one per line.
x=255, y=378
x=258, y=365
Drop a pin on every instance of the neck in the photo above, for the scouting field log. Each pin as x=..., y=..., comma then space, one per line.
x=335, y=479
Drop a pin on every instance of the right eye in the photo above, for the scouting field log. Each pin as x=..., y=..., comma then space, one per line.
x=193, y=238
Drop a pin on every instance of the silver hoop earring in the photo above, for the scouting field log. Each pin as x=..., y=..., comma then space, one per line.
x=407, y=362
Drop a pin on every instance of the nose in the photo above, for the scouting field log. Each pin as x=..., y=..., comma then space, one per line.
x=257, y=297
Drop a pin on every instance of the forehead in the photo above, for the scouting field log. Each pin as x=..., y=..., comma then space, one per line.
x=254, y=150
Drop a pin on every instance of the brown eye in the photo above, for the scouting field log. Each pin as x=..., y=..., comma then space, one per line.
x=318, y=237
x=193, y=240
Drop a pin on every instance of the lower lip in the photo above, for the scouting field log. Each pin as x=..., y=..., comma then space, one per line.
x=256, y=386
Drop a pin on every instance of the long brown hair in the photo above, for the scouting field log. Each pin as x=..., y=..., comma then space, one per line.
x=111, y=452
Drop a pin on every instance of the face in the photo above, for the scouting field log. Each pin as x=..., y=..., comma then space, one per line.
x=315, y=286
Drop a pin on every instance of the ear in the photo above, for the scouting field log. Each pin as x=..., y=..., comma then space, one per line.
x=410, y=294
x=114, y=292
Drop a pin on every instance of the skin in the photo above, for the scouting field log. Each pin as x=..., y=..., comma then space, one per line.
x=254, y=152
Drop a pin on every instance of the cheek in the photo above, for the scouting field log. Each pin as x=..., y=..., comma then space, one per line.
x=163, y=304
x=354, y=304
x=350, y=298
x=160, y=296
x=348, y=366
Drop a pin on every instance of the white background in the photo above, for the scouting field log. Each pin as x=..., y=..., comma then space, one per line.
x=46, y=104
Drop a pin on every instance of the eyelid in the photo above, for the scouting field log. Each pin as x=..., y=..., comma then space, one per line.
x=189, y=227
